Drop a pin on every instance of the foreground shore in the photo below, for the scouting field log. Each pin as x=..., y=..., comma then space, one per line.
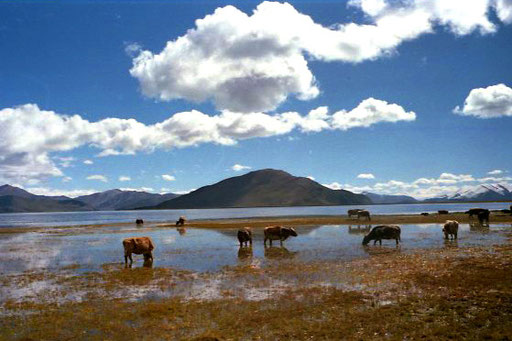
x=434, y=294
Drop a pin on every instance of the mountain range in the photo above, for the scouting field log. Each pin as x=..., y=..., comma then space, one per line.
x=267, y=187
x=484, y=192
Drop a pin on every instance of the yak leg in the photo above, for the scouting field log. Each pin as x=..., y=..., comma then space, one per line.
x=281, y=241
x=397, y=241
x=125, y=259
x=380, y=242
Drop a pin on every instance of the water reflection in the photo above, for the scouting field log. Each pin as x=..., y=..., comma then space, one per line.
x=245, y=252
x=181, y=230
x=453, y=243
x=359, y=229
x=278, y=252
x=209, y=250
x=379, y=250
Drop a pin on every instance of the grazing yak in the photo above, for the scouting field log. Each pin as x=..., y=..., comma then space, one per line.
x=139, y=246
x=181, y=221
x=245, y=236
x=363, y=213
x=442, y=212
x=353, y=212
x=475, y=211
x=483, y=216
x=139, y=221
x=425, y=214
x=280, y=233
x=450, y=229
x=383, y=232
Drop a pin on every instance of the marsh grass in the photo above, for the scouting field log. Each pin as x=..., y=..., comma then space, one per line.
x=451, y=293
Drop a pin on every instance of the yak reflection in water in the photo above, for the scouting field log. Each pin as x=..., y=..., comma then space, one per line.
x=181, y=230
x=245, y=253
x=360, y=229
x=277, y=252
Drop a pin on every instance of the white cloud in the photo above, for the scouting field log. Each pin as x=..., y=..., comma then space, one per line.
x=73, y=193
x=504, y=10
x=124, y=178
x=182, y=192
x=132, y=49
x=495, y=172
x=88, y=162
x=168, y=177
x=97, y=177
x=67, y=179
x=490, y=102
x=31, y=134
x=239, y=168
x=366, y=176
x=139, y=189
x=248, y=63
x=65, y=162
x=369, y=112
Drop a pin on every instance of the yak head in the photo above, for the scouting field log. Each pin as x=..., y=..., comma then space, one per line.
x=290, y=231
x=366, y=239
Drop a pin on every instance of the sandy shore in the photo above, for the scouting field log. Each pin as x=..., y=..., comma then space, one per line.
x=496, y=217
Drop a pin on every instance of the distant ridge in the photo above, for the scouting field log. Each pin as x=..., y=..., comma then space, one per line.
x=484, y=192
x=390, y=199
x=116, y=199
x=14, y=199
x=267, y=187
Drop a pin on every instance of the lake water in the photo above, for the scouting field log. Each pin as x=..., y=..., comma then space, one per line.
x=110, y=217
x=201, y=250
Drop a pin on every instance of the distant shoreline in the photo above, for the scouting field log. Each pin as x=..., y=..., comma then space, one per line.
x=258, y=222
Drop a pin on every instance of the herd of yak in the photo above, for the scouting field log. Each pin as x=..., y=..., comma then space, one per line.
x=144, y=245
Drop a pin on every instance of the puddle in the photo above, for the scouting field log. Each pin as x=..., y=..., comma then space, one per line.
x=34, y=266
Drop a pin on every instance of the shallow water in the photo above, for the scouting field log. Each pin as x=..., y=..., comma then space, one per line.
x=110, y=217
x=202, y=250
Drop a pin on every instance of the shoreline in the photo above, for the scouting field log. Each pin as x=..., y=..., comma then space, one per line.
x=305, y=220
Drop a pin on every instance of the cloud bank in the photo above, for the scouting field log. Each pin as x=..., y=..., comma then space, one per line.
x=248, y=63
x=30, y=134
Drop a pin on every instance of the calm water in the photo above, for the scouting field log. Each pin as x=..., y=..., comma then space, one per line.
x=106, y=217
x=209, y=250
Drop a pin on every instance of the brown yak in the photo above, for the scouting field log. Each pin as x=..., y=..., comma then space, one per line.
x=280, y=233
x=383, y=232
x=363, y=213
x=450, y=229
x=245, y=236
x=139, y=246
x=353, y=212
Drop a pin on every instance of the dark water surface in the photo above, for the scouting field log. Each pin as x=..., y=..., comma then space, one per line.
x=109, y=217
x=209, y=250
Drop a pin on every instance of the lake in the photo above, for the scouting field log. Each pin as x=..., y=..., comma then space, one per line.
x=199, y=250
x=109, y=217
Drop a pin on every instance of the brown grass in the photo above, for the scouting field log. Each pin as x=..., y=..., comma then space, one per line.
x=453, y=293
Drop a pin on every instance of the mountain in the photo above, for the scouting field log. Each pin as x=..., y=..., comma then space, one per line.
x=390, y=199
x=14, y=199
x=267, y=187
x=14, y=191
x=117, y=199
x=485, y=192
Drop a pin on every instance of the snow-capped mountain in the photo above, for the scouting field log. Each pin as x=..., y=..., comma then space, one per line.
x=484, y=192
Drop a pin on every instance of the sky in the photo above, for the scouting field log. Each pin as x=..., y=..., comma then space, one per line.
x=394, y=97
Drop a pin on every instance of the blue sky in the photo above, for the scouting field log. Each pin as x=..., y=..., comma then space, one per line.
x=391, y=78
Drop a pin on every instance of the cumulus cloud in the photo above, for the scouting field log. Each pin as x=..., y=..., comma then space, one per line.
x=248, y=63
x=504, y=10
x=88, y=162
x=97, y=177
x=67, y=179
x=493, y=101
x=168, y=177
x=495, y=172
x=238, y=168
x=366, y=176
x=124, y=178
x=30, y=134
x=370, y=111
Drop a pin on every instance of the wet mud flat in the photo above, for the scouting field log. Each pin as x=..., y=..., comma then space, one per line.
x=322, y=284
